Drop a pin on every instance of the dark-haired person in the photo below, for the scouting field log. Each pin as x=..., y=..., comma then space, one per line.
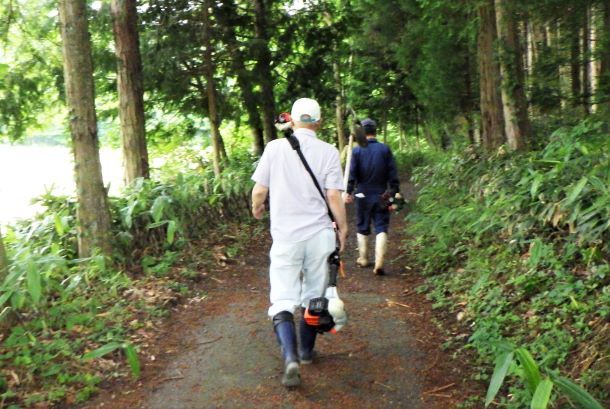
x=373, y=179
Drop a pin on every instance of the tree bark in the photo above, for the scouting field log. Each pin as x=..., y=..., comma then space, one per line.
x=468, y=98
x=3, y=260
x=527, y=48
x=575, y=57
x=594, y=62
x=586, y=56
x=516, y=122
x=131, y=90
x=492, y=122
x=244, y=77
x=603, y=88
x=384, y=125
x=209, y=69
x=339, y=106
x=263, y=69
x=93, y=213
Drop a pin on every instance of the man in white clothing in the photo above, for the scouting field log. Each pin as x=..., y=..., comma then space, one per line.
x=302, y=232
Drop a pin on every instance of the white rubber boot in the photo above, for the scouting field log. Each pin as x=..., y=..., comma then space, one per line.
x=363, y=251
x=381, y=247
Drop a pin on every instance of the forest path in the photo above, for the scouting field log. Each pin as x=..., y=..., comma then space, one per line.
x=221, y=352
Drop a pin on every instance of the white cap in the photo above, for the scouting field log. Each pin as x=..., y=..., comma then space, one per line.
x=305, y=110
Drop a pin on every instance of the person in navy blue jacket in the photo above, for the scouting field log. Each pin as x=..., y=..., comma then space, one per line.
x=373, y=179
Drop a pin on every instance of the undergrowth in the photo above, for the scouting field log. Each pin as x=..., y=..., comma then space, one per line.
x=68, y=323
x=518, y=247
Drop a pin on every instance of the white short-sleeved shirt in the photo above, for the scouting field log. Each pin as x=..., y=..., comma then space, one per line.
x=297, y=209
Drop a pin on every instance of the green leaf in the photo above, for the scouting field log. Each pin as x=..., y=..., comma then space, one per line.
x=5, y=297
x=542, y=395
x=577, y=394
x=536, y=250
x=535, y=185
x=34, y=282
x=103, y=350
x=573, y=195
x=132, y=358
x=502, y=364
x=127, y=213
x=156, y=224
x=530, y=369
x=59, y=226
x=5, y=313
x=157, y=208
x=171, y=231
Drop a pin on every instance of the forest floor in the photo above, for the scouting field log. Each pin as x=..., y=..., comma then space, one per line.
x=219, y=350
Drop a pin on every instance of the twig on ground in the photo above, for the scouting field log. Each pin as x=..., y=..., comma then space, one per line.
x=172, y=378
x=384, y=385
x=218, y=280
x=391, y=303
x=403, y=255
x=440, y=395
x=431, y=391
x=210, y=341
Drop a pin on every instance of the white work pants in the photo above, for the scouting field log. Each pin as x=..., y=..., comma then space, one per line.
x=289, y=288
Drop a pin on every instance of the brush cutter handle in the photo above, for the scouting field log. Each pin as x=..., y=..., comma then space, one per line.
x=334, y=263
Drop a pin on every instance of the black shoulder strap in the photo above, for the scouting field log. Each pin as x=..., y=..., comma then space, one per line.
x=294, y=142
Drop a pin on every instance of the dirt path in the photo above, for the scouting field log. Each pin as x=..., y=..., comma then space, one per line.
x=220, y=352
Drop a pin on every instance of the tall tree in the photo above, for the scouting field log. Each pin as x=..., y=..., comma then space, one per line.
x=263, y=68
x=3, y=259
x=209, y=68
x=339, y=106
x=131, y=92
x=227, y=18
x=575, y=58
x=603, y=89
x=586, y=57
x=492, y=120
x=516, y=122
x=93, y=213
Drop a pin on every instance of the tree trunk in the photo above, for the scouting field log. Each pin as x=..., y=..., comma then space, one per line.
x=3, y=260
x=594, y=63
x=586, y=56
x=339, y=108
x=384, y=125
x=263, y=69
x=417, y=133
x=575, y=56
x=244, y=77
x=401, y=134
x=468, y=98
x=429, y=135
x=539, y=40
x=217, y=144
x=492, y=122
x=527, y=49
x=93, y=214
x=603, y=88
x=131, y=90
x=516, y=122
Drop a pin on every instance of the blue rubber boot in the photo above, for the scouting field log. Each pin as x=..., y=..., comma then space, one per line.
x=307, y=335
x=283, y=324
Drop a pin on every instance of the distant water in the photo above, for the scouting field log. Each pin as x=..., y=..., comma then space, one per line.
x=27, y=171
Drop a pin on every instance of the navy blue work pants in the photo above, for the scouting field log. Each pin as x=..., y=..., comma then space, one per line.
x=368, y=209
